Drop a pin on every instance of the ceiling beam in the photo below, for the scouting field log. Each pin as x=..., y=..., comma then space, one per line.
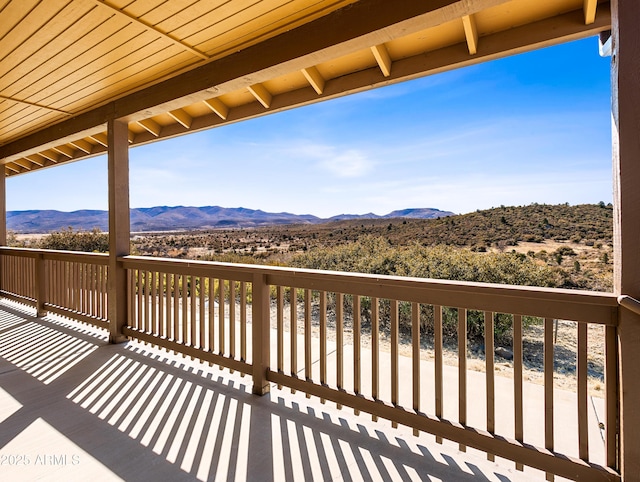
x=261, y=94
x=350, y=29
x=471, y=33
x=381, y=54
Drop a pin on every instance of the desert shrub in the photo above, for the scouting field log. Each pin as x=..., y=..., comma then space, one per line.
x=93, y=241
x=375, y=255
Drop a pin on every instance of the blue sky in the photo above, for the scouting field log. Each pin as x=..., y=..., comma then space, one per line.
x=529, y=128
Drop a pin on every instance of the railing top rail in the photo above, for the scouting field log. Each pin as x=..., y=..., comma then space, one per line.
x=579, y=305
x=58, y=255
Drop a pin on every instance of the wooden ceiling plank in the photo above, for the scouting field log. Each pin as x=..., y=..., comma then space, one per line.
x=161, y=11
x=181, y=117
x=65, y=150
x=100, y=138
x=590, y=7
x=83, y=145
x=185, y=16
x=99, y=88
x=102, y=58
x=151, y=28
x=471, y=33
x=14, y=13
x=217, y=106
x=228, y=35
x=42, y=44
x=194, y=20
x=261, y=94
x=314, y=77
x=36, y=25
x=150, y=125
x=383, y=59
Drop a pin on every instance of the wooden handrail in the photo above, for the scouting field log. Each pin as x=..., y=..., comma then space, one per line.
x=629, y=303
x=576, y=305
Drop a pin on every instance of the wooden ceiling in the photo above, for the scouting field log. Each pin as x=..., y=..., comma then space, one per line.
x=170, y=67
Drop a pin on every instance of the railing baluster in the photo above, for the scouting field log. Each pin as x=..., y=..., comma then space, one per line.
x=201, y=301
x=611, y=400
x=375, y=351
x=221, y=331
x=490, y=373
x=185, y=312
x=517, y=382
x=438, y=362
x=232, y=319
x=394, y=355
x=462, y=370
x=293, y=328
x=307, y=335
x=193, y=299
x=212, y=315
x=581, y=373
x=154, y=303
x=176, y=307
x=356, y=347
x=339, y=342
x=548, y=386
x=280, y=329
x=243, y=321
x=415, y=355
x=140, y=324
x=323, y=339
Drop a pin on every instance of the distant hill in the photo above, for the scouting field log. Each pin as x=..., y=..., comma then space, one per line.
x=166, y=218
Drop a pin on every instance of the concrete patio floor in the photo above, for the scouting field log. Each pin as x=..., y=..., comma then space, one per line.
x=73, y=407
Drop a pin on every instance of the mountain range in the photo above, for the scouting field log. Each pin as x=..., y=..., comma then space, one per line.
x=169, y=218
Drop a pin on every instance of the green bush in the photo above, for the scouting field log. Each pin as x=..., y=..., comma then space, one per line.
x=93, y=241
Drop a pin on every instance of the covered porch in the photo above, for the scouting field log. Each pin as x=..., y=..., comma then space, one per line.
x=185, y=68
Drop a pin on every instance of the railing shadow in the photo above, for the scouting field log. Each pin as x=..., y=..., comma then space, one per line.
x=136, y=413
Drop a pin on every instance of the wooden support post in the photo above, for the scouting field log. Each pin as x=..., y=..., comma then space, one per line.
x=41, y=286
x=119, y=227
x=3, y=219
x=625, y=77
x=260, y=334
x=3, y=208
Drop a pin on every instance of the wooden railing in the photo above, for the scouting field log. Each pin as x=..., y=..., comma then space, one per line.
x=396, y=348
x=67, y=283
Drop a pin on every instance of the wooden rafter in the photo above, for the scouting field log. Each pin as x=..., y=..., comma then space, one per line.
x=151, y=28
x=150, y=125
x=383, y=59
x=25, y=163
x=180, y=116
x=37, y=159
x=471, y=33
x=100, y=138
x=590, y=7
x=83, y=145
x=217, y=106
x=65, y=150
x=261, y=94
x=314, y=77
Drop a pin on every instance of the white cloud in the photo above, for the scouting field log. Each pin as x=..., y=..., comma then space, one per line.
x=348, y=164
